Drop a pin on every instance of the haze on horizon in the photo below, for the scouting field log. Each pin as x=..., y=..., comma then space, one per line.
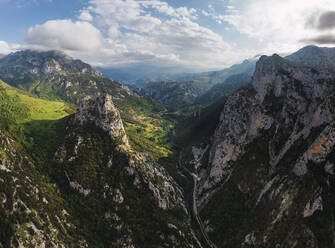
x=192, y=35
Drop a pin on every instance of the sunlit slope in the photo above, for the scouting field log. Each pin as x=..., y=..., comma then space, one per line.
x=17, y=106
x=30, y=120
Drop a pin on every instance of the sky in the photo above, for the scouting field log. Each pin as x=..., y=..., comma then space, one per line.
x=196, y=35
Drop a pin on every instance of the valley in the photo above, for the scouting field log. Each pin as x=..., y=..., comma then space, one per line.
x=86, y=161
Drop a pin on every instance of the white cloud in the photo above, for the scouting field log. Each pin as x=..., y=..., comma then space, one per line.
x=278, y=24
x=150, y=32
x=85, y=16
x=166, y=9
x=134, y=35
x=4, y=47
x=126, y=14
x=65, y=35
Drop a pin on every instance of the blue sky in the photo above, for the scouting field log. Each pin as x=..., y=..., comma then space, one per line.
x=192, y=34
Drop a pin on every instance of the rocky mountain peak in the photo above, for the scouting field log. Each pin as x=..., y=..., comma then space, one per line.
x=269, y=74
x=321, y=57
x=102, y=112
x=44, y=63
x=274, y=74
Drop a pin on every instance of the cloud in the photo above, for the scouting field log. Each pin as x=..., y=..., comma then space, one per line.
x=328, y=39
x=219, y=18
x=65, y=35
x=134, y=33
x=323, y=21
x=284, y=23
x=327, y=21
x=85, y=16
x=164, y=8
x=4, y=47
x=126, y=14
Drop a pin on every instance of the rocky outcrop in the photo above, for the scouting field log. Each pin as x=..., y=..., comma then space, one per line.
x=102, y=112
x=269, y=165
x=137, y=196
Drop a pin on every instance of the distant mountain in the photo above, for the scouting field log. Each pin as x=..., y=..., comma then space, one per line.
x=202, y=89
x=55, y=75
x=131, y=74
x=172, y=95
x=204, y=80
x=320, y=57
x=2, y=55
x=51, y=75
x=219, y=90
x=29, y=63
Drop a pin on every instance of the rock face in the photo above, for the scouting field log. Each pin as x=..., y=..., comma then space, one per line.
x=267, y=178
x=134, y=200
x=104, y=114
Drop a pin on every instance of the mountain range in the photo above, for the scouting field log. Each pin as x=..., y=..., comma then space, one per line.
x=243, y=157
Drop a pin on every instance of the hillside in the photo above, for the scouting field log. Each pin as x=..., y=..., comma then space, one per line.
x=267, y=169
x=29, y=119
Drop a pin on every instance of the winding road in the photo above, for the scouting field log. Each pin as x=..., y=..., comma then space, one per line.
x=195, y=211
x=194, y=199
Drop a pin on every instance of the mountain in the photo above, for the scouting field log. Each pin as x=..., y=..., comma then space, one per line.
x=132, y=73
x=77, y=182
x=321, y=57
x=172, y=95
x=219, y=90
x=264, y=176
x=2, y=55
x=52, y=75
x=202, y=90
x=204, y=80
x=133, y=200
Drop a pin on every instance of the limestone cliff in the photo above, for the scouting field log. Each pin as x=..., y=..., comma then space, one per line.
x=267, y=177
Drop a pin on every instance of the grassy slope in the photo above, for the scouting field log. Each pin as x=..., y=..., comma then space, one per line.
x=39, y=109
x=28, y=119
